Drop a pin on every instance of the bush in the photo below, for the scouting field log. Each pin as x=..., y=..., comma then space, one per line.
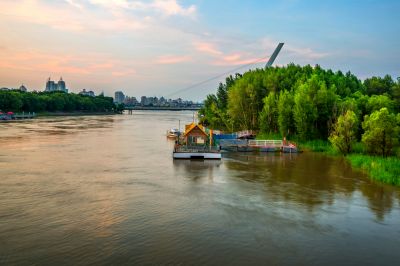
x=386, y=170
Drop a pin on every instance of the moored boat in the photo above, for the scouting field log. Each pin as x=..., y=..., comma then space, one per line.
x=173, y=133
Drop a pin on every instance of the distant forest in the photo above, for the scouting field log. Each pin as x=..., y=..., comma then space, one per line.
x=18, y=101
x=308, y=103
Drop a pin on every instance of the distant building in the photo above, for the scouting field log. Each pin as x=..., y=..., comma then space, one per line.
x=22, y=88
x=54, y=86
x=4, y=89
x=130, y=101
x=143, y=100
x=87, y=93
x=119, y=97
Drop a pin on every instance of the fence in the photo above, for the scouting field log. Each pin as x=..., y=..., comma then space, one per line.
x=266, y=143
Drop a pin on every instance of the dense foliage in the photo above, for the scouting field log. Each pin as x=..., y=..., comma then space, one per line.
x=343, y=136
x=17, y=101
x=308, y=103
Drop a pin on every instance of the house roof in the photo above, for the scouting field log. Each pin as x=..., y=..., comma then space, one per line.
x=189, y=128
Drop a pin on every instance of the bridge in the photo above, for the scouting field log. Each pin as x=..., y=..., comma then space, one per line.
x=161, y=108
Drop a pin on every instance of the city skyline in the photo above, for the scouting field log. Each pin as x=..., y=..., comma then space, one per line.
x=159, y=47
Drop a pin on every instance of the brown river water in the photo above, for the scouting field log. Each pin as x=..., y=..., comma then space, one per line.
x=101, y=190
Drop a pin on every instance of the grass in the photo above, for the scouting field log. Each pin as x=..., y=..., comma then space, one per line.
x=386, y=170
x=315, y=145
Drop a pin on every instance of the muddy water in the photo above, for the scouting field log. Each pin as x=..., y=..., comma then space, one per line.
x=105, y=190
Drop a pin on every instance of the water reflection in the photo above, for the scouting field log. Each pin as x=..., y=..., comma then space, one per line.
x=311, y=180
x=92, y=190
x=195, y=169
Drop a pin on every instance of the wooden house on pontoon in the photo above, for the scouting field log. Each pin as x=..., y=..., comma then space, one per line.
x=197, y=144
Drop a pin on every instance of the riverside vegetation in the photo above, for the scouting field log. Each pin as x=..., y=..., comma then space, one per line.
x=43, y=102
x=320, y=109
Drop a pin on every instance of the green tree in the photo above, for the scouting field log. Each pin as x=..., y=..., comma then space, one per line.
x=378, y=85
x=381, y=132
x=269, y=114
x=243, y=105
x=377, y=102
x=285, y=113
x=343, y=136
x=304, y=113
x=395, y=93
x=10, y=101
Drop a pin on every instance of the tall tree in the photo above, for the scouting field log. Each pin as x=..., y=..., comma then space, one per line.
x=343, y=136
x=285, y=113
x=304, y=112
x=269, y=114
x=381, y=132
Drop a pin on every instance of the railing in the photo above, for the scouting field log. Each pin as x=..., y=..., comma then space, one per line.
x=17, y=116
x=183, y=148
x=266, y=143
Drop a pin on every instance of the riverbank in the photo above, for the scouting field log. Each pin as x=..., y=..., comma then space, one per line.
x=43, y=114
x=385, y=170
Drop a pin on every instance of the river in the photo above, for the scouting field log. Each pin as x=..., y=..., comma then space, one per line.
x=98, y=190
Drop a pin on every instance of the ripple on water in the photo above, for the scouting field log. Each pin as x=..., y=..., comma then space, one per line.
x=104, y=190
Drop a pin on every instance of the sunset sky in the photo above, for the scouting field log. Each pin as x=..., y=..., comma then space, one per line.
x=157, y=47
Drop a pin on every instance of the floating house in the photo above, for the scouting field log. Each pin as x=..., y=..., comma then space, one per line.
x=195, y=134
x=197, y=144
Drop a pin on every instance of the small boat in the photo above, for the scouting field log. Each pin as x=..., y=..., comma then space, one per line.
x=173, y=133
x=291, y=148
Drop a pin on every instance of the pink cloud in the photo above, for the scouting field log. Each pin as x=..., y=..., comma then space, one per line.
x=172, y=59
x=237, y=59
x=207, y=48
x=91, y=64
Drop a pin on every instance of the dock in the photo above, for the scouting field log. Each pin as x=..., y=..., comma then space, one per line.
x=24, y=116
x=257, y=145
x=16, y=116
x=205, y=152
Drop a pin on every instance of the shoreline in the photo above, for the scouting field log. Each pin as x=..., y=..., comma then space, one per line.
x=54, y=114
x=385, y=170
x=45, y=114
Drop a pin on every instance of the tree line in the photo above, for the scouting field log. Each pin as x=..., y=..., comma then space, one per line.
x=18, y=101
x=308, y=103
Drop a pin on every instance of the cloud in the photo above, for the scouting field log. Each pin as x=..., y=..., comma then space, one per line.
x=90, y=64
x=74, y=4
x=207, y=48
x=81, y=16
x=305, y=53
x=165, y=7
x=237, y=59
x=171, y=7
x=123, y=73
x=172, y=59
x=119, y=4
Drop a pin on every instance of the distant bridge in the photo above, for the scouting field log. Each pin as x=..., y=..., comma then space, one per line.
x=161, y=108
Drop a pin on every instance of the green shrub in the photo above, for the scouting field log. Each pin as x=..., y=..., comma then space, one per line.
x=386, y=170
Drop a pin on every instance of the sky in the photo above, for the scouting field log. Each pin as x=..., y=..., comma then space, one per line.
x=159, y=47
